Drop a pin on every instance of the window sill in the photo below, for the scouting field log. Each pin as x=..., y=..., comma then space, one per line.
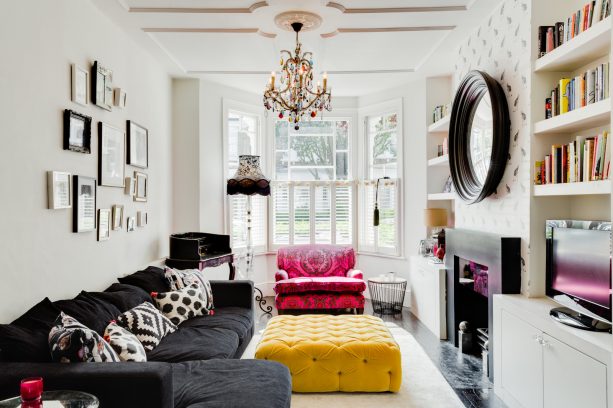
x=385, y=256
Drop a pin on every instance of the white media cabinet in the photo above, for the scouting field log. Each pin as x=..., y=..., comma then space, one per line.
x=427, y=287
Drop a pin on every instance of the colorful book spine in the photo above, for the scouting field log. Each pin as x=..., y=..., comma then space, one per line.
x=564, y=94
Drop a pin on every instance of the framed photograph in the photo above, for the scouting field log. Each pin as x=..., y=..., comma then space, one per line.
x=117, y=217
x=84, y=203
x=80, y=85
x=141, y=190
x=131, y=224
x=59, y=186
x=77, y=132
x=104, y=224
x=448, y=187
x=141, y=218
x=138, y=145
x=102, y=86
x=129, y=188
x=120, y=98
x=111, y=155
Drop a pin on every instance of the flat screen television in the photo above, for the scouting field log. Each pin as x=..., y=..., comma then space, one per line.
x=579, y=266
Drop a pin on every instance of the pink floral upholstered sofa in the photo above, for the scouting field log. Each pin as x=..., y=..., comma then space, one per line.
x=316, y=277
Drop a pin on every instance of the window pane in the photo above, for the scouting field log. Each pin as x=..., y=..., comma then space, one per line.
x=281, y=135
x=323, y=215
x=391, y=121
x=314, y=127
x=281, y=164
x=242, y=130
x=344, y=223
x=342, y=135
x=375, y=124
x=302, y=215
x=311, y=151
x=281, y=219
x=311, y=173
x=342, y=165
x=387, y=217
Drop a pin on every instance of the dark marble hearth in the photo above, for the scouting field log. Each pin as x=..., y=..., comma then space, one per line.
x=464, y=373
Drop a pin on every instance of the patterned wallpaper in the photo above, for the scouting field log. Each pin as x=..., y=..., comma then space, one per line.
x=501, y=47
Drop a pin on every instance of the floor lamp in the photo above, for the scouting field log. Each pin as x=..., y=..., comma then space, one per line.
x=249, y=180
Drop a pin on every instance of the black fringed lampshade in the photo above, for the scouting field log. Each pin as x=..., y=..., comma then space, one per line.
x=249, y=179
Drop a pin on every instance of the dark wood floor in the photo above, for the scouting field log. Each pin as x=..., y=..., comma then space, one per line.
x=464, y=373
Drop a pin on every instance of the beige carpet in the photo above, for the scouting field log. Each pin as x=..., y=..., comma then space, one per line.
x=423, y=386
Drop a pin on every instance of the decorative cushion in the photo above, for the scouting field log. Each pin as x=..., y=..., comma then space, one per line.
x=89, y=311
x=315, y=260
x=125, y=344
x=123, y=297
x=150, y=279
x=181, y=304
x=72, y=342
x=20, y=344
x=178, y=279
x=314, y=300
x=41, y=316
x=329, y=284
x=147, y=324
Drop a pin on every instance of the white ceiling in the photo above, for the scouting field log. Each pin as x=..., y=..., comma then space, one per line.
x=354, y=60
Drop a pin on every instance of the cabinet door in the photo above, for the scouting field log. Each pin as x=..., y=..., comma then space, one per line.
x=572, y=379
x=521, y=361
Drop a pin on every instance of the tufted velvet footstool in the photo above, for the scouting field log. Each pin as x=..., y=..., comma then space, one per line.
x=326, y=353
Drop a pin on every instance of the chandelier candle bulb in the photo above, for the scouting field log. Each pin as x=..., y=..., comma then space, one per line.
x=325, y=80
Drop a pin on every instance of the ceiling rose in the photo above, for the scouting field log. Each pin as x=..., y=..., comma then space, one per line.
x=309, y=21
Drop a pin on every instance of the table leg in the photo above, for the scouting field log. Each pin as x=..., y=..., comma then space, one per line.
x=232, y=270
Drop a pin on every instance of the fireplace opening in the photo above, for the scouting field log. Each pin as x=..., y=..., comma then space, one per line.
x=474, y=276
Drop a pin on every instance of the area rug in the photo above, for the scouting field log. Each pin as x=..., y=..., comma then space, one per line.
x=423, y=386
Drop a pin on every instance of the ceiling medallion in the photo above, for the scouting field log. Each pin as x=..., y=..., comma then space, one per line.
x=296, y=96
x=309, y=21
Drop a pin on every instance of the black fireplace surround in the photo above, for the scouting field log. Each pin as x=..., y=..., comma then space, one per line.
x=502, y=257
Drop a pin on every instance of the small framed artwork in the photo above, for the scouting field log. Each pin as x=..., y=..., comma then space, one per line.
x=80, y=85
x=77, y=132
x=84, y=203
x=111, y=155
x=138, y=145
x=131, y=224
x=141, y=190
x=117, y=217
x=120, y=98
x=129, y=188
x=59, y=191
x=102, y=86
x=104, y=224
x=448, y=187
x=141, y=218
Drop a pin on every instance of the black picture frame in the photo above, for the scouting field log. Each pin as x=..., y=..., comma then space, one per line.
x=83, y=206
x=70, y=143
x=472, y=88
x=132, y=155
x=105, y=155
x=102, y=86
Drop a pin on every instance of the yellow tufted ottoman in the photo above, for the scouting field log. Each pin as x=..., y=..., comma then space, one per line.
x=326, y=353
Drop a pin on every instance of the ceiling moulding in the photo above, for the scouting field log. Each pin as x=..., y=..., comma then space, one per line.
x=201, y=10
x=373, y=71
x=431, y=9
x=386, y=30
x=204, y=30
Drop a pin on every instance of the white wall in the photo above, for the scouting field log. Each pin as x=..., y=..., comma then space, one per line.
x=40, y=254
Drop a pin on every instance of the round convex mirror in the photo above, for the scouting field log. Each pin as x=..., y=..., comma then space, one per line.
x=478, y=137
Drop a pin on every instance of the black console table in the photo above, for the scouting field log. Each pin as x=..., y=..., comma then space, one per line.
x=206, y=262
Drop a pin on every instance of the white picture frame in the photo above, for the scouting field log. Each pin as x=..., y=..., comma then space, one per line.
x=141, y=218
x=130, y=185
x=84, y=203
x=141, y=189
x=104, y=224
x=117, y=217
x=111, y=156
x=59, y=190
x=120, y=98
x=130, y=224
x=79, y=92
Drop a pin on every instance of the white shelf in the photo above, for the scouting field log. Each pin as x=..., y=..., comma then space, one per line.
x=587, y=46
x=596, y=114
x=441, y=125
x=564, y=189
x=439, y=161
x=441, y=196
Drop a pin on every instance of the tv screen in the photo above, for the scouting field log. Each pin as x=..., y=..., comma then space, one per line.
x=579, y=265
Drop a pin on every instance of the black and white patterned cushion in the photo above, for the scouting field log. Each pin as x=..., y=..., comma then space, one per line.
x=147, y=324
x=126, y=345
x=72, y=342
x=178, y=279
x=182, y=304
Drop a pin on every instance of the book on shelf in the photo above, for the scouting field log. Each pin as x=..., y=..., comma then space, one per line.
x=552, y=36
x=440, y=112
x=582, y=160
x=573, y=93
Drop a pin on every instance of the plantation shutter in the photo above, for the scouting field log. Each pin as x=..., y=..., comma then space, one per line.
x=384, y=238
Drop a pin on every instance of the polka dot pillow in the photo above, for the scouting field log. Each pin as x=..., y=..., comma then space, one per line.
x=182, y=304
x=126, y=345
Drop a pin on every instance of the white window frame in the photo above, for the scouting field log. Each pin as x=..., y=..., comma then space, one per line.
x=228, y=106
x=385, y=108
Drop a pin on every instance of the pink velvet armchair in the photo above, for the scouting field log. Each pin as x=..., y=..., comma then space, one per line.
x=318, y=277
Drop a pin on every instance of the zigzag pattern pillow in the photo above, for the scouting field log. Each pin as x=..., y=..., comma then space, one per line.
x=179, y=279
x=125, y=344
x=182, y=304
x=72, y=342
x=147, y=324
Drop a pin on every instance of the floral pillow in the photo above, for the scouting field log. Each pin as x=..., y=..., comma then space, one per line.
x=182, y=304
x=72, y=342
x=126, y=345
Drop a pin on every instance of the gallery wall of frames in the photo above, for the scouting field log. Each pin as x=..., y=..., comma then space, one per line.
x=123, y=158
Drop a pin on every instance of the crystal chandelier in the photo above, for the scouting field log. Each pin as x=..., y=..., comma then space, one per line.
x=297, y=96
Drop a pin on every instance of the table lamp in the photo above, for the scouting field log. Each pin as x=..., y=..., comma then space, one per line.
x=436, y=219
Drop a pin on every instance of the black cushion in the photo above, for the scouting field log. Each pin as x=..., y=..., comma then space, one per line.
x=150, y=279
x=237, y=319
x=40, y=317
x=89, y=311
x=195, y=343
x=123, y=297
x=231, y=383
x=20, y=344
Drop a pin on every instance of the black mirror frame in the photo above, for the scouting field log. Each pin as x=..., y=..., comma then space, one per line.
x=467, y=98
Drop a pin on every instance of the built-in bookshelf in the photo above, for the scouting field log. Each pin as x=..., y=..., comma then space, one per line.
x=590, y=116
x=599, y=187
x=441, y=125
x=441, y=196
x=439, y=161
